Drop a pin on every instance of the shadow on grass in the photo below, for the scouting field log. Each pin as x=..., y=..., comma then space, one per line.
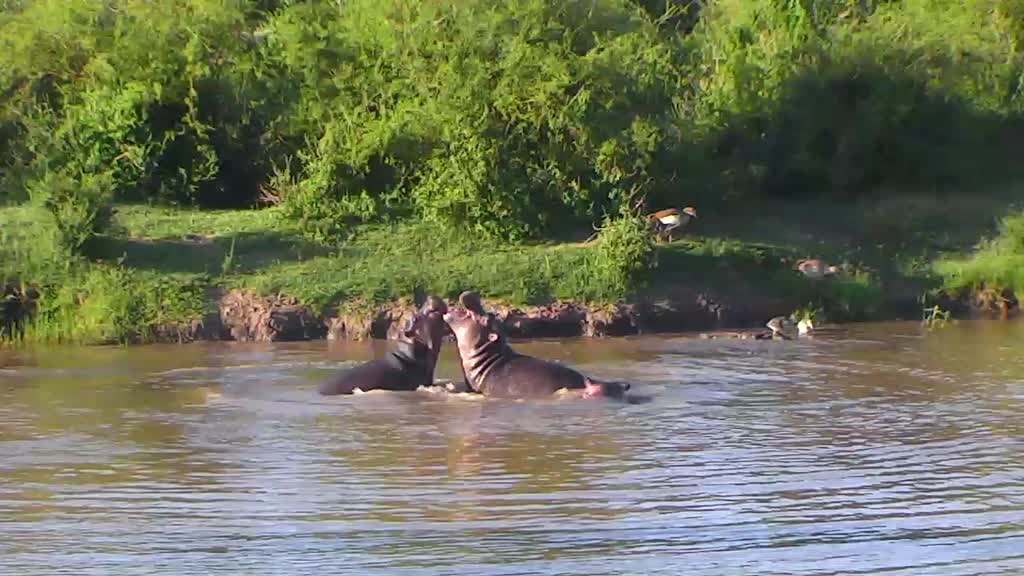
x=759, y=272
x=825, y=172
x=240, y=252
x=717, y=264
x=892, y=236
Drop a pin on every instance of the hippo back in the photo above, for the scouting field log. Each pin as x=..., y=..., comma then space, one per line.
x=520, y=376
x=381, y=374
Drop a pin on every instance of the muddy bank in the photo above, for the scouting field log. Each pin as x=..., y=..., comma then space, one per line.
x=248, y=317
x=994, y=303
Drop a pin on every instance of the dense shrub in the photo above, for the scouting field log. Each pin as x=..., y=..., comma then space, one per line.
x=142, y=90
x=79, y=208
x=624, y=257
x=843, y=98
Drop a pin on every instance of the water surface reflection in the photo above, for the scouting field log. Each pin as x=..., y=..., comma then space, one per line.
x=871, y=449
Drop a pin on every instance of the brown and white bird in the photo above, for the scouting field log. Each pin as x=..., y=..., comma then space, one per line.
x=778, y=327
x=667, y=220
x=782, y=326
x=805, y=326
x=815, y=268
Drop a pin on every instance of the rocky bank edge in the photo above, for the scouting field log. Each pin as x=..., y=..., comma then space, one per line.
x=246, y=316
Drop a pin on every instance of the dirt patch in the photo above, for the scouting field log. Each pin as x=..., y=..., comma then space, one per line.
x=248, y=317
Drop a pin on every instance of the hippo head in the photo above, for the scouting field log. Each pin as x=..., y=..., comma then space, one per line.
x=427, y=328
x=471, y=325
x=470, y=300
x=471, y=330
x=593, y=389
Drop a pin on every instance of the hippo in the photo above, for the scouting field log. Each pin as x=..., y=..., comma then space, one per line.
x=406, y=368
x=493, y=368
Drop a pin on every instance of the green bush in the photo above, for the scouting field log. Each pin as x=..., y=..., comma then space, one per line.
x=623, y=260
x=843, y=98
x=84, y=86
x=79, y=208
x=110, y=304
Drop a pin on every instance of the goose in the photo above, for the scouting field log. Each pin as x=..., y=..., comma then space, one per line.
x=780, y=325
x=815, y=268
x=667, y=220
x=805, y=326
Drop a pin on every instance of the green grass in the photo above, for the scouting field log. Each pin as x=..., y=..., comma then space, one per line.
x=94, y=301
x=383, y=263
x=379, y=263
x=997, y=263
x=161, y=266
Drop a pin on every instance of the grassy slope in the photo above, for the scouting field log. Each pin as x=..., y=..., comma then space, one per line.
x=256, y=249
x=173, y=256
x=997, y=264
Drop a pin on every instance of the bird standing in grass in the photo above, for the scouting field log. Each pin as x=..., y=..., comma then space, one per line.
x=667, y=220
x=816, y=269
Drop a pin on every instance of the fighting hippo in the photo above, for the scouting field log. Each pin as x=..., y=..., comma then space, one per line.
x=470, y=300
x=492, y=368
x=409, y=366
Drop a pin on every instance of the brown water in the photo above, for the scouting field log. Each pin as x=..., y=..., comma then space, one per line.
x=875, y=449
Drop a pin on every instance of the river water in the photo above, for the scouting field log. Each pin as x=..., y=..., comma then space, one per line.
x=870, y=449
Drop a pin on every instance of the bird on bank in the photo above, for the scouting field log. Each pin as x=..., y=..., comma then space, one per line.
x=667, y=220
x=780, y=325
x=816, y=269
x=805, y=326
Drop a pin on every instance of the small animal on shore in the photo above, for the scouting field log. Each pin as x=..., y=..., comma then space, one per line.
x=666, y=221
x=408, y=367
x=493, y=368
x=780, y=325
x=10, y=316
x=815, y=268
x=17, y=303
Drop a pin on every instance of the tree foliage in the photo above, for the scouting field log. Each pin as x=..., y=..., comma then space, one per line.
x=511, y=118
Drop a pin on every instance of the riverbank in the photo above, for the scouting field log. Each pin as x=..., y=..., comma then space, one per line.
x=162, y=274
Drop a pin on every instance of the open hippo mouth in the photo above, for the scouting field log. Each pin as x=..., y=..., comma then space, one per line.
x=456, y=315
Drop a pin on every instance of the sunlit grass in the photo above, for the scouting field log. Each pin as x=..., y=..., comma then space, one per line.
x=997, y=263
x=163, y=265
